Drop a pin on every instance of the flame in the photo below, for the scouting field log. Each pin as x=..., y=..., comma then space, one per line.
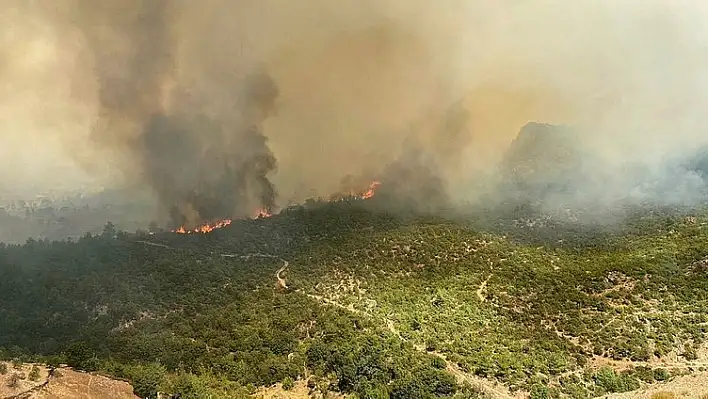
x=371, y=191
x=264, y=213
x=205, y=228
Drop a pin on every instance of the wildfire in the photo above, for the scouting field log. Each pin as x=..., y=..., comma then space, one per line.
x=371, y=191
x=205, y=228
x=262, y=213
x=259, y=214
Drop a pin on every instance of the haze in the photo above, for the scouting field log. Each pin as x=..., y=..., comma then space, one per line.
x=355, y=79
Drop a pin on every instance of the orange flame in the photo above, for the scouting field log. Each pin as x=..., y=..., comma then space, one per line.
x=372, y=190
x=262, y=213
x=205, y=228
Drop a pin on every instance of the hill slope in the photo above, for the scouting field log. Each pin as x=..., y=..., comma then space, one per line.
x=362, y=302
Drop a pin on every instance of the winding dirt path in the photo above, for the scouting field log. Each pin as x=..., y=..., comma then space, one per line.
x=492, y=389
x=280, y=280
x=482, y=290
x=154, y=244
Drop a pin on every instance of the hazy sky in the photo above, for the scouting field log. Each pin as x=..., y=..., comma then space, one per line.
x=357, y=77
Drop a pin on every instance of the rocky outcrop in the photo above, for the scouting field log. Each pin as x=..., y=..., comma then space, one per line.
x=543, y=158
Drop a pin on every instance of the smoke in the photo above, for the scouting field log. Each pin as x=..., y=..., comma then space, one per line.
x=196, y=140
x=425, y=96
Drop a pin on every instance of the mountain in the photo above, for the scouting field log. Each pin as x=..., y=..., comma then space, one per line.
x=698, y=163
x=345, y=299
x=543, y=158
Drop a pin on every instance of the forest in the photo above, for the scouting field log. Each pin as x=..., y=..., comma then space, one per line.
x=352, y=299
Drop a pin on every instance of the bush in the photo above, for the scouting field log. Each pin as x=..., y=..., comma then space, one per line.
x=610, y=381
x=288, y=384
x=645, y=374
x=16, y=364
x=540, y=392
x=468, y=391
x=34, y=373
x=189, y=386
x=663, y=395
x=407, y=389
x=689, y=353
x=3, y=368
x=438, y=363
x=80, y=356
x=576, y=391
x=146, y=379
x=371, y=391
x=661, y=374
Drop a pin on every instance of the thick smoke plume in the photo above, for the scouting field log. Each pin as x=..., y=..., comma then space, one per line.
x=424, y=96
x=202, y=152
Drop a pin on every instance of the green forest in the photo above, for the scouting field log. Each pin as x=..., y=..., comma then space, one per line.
x=364, y=302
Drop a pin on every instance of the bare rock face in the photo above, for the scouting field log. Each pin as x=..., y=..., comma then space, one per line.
x=62, y=383
x=543, y=158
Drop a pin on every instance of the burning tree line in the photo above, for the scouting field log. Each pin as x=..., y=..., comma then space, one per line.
x=265, y=213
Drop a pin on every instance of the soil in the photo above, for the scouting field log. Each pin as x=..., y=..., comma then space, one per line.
x=64, y=383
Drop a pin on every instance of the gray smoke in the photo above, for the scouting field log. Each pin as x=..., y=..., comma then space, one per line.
x=204, y=162
x=551, y=169
x=179, y=96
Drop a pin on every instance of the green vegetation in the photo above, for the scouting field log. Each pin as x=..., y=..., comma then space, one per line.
x=34, y=374
x=288, y=383
x=376, y=305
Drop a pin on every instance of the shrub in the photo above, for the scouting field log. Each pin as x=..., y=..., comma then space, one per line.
x=438, y=363
x=288, y=384
x=3, y=368
x=146, y=379
x=372, y=391
x=610, y=381
x=468, y=391
x=540, y=392
x=188, y=386
x=661, y=374
x=34, y=373
x=644, y=373
x=663, y=395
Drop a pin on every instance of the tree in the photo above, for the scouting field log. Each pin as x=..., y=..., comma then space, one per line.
x=80, y=356
x=109, y=230
x=146, y=379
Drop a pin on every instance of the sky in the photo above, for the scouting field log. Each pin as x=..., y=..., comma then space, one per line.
x=357, y=78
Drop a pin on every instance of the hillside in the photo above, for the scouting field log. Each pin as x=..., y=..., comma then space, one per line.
x=544, y=159
x=24, y=381
x=352, y=300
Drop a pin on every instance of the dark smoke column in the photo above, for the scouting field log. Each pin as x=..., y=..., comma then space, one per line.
x=207, y=167
x=195, y=138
